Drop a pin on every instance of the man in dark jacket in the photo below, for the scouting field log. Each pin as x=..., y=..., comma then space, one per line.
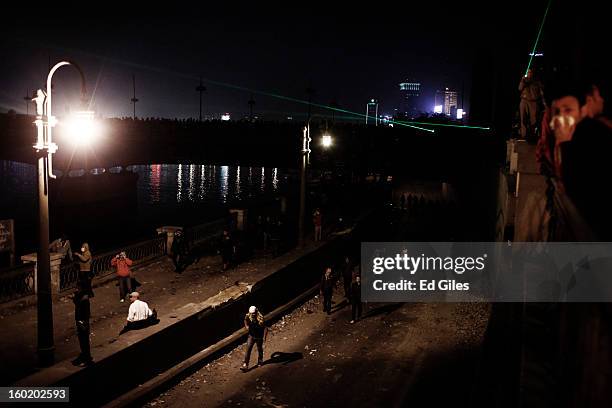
x=228, y=249
x=327, y=289
x=356, y=299
x=81, y=316
x=254, y=323
x=85, y=275
x=179, y=251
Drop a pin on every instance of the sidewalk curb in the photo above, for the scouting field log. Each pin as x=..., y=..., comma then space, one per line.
x=193, y=363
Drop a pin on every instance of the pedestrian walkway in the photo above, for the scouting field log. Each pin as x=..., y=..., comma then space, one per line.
x=162, y=288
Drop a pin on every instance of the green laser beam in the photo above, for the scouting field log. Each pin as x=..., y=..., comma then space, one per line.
x=269, y=94
x=451, y=125
x=535, y=45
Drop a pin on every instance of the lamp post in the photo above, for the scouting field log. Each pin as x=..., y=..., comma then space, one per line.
x=306, y=139
x=45, y=148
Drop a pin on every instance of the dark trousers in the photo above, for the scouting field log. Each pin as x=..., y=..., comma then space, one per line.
x=356, y=310
x=83, y=335
x=125, y=286
x=250, y=343
x=327, y=301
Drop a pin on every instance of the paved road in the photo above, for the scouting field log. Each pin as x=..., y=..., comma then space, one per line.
x=398, y=355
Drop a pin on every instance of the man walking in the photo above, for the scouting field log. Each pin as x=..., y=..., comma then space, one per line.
x=254, y=323
x=327, y=289
x=123, y=263
x=82, y=314
x=356, y=299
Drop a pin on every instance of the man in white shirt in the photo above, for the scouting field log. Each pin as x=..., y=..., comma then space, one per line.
x=139, y=315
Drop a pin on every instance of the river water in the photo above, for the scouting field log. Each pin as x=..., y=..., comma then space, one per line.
x=166, y=194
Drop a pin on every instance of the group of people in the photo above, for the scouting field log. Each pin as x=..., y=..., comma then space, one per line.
x=351, y=280
x=139, y=314
x=257, y=329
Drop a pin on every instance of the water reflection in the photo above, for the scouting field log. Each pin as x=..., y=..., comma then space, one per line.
x=192, y=188
x=238, y=181
x=179, y=181
x=155, y=182
x=263, y=179
x=224, y=182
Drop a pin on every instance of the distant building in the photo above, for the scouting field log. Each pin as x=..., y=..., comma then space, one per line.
x=446, y=102
x=410, y=91
x=372, y=113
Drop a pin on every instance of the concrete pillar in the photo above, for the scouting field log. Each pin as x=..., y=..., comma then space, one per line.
x=56, y=259
x=170, y=231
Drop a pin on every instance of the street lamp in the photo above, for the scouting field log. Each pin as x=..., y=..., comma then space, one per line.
x=306, y=139
x=45, y=148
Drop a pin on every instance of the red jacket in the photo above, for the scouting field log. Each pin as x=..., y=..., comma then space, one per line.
x=123, y=266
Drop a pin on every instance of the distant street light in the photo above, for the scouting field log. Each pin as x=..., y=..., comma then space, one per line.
x=45, y=148
x=306, y=139
x=201, y=89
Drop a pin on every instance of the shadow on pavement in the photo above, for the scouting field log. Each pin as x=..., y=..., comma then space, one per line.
x=279, y=357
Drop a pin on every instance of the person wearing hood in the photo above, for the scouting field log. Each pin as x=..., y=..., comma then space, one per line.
x=85, y=276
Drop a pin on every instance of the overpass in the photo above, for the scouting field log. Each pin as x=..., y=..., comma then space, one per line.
x=361, y=148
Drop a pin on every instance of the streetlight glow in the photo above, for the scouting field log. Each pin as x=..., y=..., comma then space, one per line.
x=81, y=129
x=327, y=141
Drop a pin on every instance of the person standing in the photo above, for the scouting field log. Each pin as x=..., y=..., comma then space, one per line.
x=85, y=276
x=82, y=313
x=227, y=249
x=327, y=289
x=317, y=220
x=532, y=96
x=123, y=263
x=254, y=323
x=178, y=251
x=356, y=308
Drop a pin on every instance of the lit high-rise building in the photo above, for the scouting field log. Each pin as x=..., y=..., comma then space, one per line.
x=450, y=102
x=447, y=100
x=410, y=90
x=372, y=112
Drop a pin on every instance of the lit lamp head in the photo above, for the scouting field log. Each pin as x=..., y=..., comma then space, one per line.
x=327, y=141
x=81, y=128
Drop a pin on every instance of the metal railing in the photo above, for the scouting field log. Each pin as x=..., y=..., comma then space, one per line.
x=204, y=232
x=16, y=282
x=101, y=263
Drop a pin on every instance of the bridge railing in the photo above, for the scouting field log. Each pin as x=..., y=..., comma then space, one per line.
x=101, y=263
x=17, y=282
x=203, y=233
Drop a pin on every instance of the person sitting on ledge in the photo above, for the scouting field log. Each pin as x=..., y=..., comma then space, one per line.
x=139, y=315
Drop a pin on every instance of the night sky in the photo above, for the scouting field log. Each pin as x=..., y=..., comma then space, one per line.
x=349, y=54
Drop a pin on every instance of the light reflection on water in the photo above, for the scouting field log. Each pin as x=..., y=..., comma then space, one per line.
x=168, y=185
